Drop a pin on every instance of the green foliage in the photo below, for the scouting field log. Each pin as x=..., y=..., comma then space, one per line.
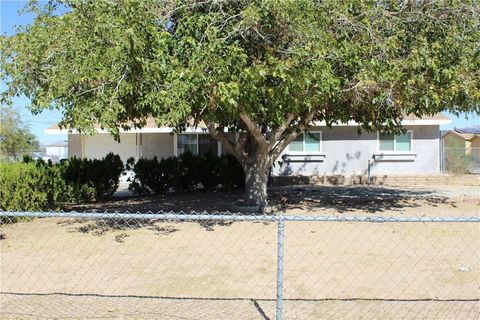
x=150, y=175
x=230, y=173
x=16, y=139
x=266, y=69
x=31, y=186
x=99, y=176
x=185, y=173
x=367, y=61
x=37, y=185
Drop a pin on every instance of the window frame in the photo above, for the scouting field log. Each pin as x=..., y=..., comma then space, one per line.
x=175, y=142
x=303, y=146
x=395, y=151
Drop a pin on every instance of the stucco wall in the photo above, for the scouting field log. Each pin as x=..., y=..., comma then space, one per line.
x=345, y=152
x=99, y=145
x=157, y=144
x=145, y=145
x=75, y=145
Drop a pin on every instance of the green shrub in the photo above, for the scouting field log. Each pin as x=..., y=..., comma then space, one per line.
x=31, y=186
x=209, y=172
x=37, y=186
x=186, y=168
x=92, y=179
x=185, y=173
x=151, y=177
x=231, y=173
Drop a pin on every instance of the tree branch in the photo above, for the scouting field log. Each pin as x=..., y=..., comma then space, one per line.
x=279, y=147
x=255, y=131
x=279, y=132
x=230, y=146
x=242, y=140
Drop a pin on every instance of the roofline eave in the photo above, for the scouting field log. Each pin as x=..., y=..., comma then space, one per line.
x=407, y=122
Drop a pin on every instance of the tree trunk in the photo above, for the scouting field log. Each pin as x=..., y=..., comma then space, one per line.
x=256, y=153
x=256, y=177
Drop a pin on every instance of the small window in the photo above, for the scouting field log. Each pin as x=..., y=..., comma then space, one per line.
x=306, y=142
x=206, y=144
x=196, y=144
x=297, y=144
x=187, y=143
x=399, y=142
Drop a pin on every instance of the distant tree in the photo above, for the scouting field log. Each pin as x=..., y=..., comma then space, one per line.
x=16, y=139
x=266, y=69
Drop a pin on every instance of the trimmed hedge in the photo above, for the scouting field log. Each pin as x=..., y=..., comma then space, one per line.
x=185, y=173
x=37, y=185
x=31, y=186
x=99, y=177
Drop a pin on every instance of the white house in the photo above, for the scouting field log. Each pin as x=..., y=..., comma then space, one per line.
x=340, y=150
x=57, y=150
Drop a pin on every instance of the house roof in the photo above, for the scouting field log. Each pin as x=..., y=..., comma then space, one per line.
x=60, y=143
x=465, y=136
x=151, y=126
x=437, y=116
x=469, y=130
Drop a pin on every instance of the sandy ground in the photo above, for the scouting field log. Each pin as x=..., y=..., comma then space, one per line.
x=434, y=200
x=84, y=269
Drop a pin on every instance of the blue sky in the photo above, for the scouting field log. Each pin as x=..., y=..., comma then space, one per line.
x=38, y=123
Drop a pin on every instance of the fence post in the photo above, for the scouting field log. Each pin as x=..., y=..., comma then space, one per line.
x=280, y=253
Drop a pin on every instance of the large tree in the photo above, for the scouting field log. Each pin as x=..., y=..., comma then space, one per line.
x=16, y=139
x=266, y=68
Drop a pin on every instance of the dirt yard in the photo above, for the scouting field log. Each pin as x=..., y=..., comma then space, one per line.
x=76, y=268
x=436, y=200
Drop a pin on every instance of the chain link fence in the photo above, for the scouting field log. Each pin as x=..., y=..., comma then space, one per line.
x=60, y=265
x=461, y=160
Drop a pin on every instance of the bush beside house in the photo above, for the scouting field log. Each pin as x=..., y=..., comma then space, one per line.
x=37, y=185
x=185, y=173
x=31, y=186
x=92, y=178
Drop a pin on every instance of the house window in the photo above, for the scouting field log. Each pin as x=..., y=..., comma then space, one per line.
x=399, y=142
x=306, y=142
x=196, y=144
x=206, y=144
x=187, y=143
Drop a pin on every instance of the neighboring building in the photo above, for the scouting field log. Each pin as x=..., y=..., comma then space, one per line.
x=461, y=150
x=459, y=138
x=57, y=150
x=340, y=150
x=471, y=130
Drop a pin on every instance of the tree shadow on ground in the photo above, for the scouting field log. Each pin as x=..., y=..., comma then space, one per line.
x=313, y=199
x=372, y=199
x=196, y=201
x=216, y=202
x=102, y=226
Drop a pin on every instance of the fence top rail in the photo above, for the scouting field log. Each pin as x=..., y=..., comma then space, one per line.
x=226, y=216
